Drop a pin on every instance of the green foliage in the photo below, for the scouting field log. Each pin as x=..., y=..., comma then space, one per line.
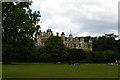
x=99, y=57
x=89, y=58
x=76, y=54
x=40, y=54
x=107, y=56
x=24, y=53
x=54, y=49
x=112, y=56
x=18, y=30
x=118, y=45
x=103, y=43
x=19, y=21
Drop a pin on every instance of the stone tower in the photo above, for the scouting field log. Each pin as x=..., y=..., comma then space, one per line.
x=63, y=37
x=43, y=37
x=90, y=44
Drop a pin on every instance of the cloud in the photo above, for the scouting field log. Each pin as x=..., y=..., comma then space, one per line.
x=82, y=17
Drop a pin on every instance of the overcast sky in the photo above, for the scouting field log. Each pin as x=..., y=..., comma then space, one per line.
x=81, y=17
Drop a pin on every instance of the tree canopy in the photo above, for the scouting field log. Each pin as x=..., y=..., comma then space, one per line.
x=19, y=28
x=19, y=21
x=54, y=49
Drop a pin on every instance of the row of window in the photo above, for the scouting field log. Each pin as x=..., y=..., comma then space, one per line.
x=73, y=45
x=72, y=40
x=77, y=45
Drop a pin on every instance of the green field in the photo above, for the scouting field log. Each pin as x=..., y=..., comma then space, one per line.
x=49, y=70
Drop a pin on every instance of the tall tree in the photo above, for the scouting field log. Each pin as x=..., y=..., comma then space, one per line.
x=19, y=25
x=54, y=49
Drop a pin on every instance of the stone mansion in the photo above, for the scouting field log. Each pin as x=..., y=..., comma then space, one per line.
x=70, y=42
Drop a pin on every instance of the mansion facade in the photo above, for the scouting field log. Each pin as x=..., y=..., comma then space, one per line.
x=70, y=42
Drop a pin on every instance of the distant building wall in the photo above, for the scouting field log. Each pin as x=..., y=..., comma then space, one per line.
x=70, y=42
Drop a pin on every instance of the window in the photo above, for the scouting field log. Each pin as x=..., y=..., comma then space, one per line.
x=42, y=41
x=69, y=39
x=74, y=45
x=79, y=45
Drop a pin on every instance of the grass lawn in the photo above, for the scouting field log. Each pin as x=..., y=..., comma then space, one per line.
x=48, y=70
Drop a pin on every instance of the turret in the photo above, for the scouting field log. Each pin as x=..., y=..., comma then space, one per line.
x=82, y=43
x=71, y=37
x=63, y=36
x=90, y=44
x=49, y=32
x=76, y=39
x=57, y=34
x=40, y=34
x=82, y=39
x=44, y=34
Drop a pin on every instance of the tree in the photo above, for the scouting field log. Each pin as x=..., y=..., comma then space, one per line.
x=112, y=56
x=54, y=49
x=118, y=45
x=76, y=54
x=19, y=27
x=89, y=56
x=103, y=43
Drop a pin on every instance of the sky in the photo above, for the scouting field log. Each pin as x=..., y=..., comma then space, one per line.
x=78, y=17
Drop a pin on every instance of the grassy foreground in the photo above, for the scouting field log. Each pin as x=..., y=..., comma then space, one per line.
x=60, y=71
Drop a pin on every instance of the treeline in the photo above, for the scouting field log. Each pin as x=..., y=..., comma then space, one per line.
x=55, y=51
x=103, y=43
x=106, y=50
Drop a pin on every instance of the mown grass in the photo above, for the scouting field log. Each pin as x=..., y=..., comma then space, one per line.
x=49, y=70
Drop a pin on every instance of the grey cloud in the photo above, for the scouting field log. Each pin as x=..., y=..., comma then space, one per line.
x=77, y=11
